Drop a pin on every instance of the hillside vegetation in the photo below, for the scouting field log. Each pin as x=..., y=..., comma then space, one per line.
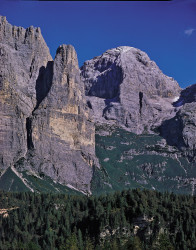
x=139, y=161
x=132, y=219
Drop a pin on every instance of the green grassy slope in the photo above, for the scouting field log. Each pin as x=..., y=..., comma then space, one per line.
x=131, y=161
x=9, y=181
x=127, y=161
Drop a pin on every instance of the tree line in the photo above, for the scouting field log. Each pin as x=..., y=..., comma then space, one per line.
x=131, y=219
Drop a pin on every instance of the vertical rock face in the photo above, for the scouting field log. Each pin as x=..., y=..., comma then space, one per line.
x=125, y=87
x=43, y=116
x=22, y=53
x=180, y=131
x=62, y=132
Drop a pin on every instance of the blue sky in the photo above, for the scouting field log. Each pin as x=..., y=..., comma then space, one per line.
x=166, y=31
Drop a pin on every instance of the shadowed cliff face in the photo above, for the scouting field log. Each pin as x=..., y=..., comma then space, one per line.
x=44, y=82
x=187, y=95
x=124, y=87
x=44, y=118
x=180, y=131
x=62, y=133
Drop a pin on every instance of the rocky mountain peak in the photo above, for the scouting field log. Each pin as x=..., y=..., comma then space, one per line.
x=24, y=54
x=27, y=52
x=136, y=69
x=68, y=54
x=125, y=87
x=47, y=122
x=66, y=66
x=22, y=39
x=44, y=119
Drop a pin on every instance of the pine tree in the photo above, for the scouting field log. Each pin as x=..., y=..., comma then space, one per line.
x=80, y=240
x=71, y=242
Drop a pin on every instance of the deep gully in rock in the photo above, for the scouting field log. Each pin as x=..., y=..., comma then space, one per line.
x=43, y=86
x=140, y=101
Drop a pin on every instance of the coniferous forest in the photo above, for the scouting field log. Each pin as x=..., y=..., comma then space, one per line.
x=132, y=219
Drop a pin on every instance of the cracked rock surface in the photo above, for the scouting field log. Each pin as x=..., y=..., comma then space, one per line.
x=44, y=121
x=124, y=87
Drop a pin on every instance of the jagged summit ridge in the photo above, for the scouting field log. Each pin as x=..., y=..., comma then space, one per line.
x=29, y=53
x=45, y=124
x=23, y=53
